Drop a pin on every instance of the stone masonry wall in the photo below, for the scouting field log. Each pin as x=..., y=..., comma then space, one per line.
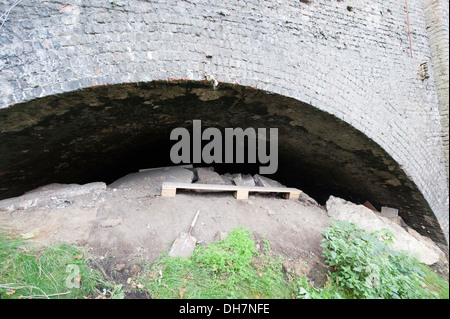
x=436, y=15
x=350, y=58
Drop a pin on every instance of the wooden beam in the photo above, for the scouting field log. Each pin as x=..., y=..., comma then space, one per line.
x=168, y=192
x=240, y=192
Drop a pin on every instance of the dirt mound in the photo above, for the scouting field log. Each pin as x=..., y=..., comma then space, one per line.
x=128, y=221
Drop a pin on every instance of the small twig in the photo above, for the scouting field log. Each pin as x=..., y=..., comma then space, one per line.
x=24, y=287
x=51, y=295
x=101, y=269
x=53, y=282
x=5, y=14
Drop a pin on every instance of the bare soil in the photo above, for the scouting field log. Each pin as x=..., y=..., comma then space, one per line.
x=124, y=229
x=129, y=225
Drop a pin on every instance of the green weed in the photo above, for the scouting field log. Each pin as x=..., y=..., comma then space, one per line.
x=60, y=271
x=364, y=266
x=231, y=268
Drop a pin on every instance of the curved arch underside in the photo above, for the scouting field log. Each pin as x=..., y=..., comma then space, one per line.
x=104, y=132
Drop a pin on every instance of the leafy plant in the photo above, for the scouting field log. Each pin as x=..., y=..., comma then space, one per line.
x=230, y=255
x=364, y=265
x=305, y=290
x=231, y=268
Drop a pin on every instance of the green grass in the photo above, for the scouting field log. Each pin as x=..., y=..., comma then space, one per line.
x=363, y=266
x=434, y=282
x=231, y=268
x=54, y=272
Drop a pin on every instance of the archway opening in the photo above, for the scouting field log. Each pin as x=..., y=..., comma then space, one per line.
x=105, y=132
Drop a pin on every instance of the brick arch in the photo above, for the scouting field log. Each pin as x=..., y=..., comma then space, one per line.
x=354, y=64
x=105, y=132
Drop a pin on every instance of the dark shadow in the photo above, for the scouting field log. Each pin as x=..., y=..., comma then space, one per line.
x=102, y=133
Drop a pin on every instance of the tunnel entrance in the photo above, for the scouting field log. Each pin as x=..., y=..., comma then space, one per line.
x=105, y=132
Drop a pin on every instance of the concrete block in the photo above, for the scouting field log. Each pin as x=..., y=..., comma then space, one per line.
x=389, y=212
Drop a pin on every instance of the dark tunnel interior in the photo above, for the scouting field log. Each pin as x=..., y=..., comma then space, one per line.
x=105, y=132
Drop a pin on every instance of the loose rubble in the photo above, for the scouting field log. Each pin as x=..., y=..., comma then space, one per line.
x=405, y=237
x=108, y=214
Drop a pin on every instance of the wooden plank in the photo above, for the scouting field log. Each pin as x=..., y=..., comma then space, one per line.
x=370, y=206
x=240, y=192
x=168, y=192
x=292, y=195
x=229, y=187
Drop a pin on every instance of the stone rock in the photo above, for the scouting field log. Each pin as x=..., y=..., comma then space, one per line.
x=120, y=267
x=306, y=199
x=424, y=250
x=243, y=180
x=68, y=189
x=228, y=178
x=298, y=267
x=301, y=269
x=220, y=235
x=148, y=181
x=110, y=222
x=56, y=225
x=399, y=221
x=287, y=265
x=208, y=176
x=56, y=196
x=428, y=242
x=265, y=181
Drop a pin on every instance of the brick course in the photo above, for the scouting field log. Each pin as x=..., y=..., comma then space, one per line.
x=350, y=58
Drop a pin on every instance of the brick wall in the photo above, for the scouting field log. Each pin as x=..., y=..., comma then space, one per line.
x=350, y=58
x=436, y=15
